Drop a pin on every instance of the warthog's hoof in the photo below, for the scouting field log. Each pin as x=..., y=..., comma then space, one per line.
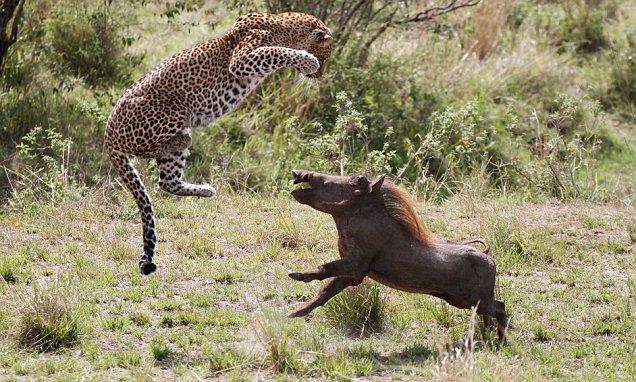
x=297, y=313
x=147, y=268
x=300, y=276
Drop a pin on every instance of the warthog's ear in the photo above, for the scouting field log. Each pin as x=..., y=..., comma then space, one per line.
x=362, y=185
x=377, y=185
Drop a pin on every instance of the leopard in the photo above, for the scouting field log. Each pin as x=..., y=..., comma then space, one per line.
x=193, y=88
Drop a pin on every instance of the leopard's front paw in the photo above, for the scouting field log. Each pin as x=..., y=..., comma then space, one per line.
x=207, y=191
x=309, y=65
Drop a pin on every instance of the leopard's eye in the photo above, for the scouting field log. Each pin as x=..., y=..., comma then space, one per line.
x=321, y=35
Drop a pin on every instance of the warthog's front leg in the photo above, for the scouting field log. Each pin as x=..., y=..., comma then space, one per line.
x=349, y=266
x=332, y=288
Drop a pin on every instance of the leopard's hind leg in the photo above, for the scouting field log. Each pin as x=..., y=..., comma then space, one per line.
x=171, y=168
x=133, y=182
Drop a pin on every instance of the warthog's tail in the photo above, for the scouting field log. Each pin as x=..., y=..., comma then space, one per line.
x=483, y=242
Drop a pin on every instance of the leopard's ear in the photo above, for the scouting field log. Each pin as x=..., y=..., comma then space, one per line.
x=251, y=40
x=258, y=37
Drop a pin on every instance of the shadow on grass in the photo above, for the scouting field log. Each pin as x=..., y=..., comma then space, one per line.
x=414, y=353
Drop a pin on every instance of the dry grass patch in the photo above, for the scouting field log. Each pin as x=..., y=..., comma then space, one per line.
x=49, y=317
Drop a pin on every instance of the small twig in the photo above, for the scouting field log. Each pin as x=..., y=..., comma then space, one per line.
x=556, y=176
x=231, y=368
x=434, y=12
x=539, y=142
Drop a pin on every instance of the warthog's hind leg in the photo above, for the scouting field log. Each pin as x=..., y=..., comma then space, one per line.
x=502, y=319
x=497, y=310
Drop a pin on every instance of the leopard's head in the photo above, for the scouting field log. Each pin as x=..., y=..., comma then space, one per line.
x=320, y=46
x=293, y=30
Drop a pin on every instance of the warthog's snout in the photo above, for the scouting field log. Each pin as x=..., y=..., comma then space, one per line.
x=304, y=194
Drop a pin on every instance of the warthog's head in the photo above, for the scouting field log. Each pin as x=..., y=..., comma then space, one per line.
x=330, y=193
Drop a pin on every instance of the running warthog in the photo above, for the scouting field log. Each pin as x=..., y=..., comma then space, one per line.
x=380, y=236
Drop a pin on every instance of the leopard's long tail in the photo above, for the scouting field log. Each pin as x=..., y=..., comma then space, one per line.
x=131, y=179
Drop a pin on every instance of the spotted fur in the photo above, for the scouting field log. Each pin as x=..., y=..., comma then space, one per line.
x=195, y=87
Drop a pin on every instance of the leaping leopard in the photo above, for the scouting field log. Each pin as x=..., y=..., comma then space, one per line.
x=197, y=86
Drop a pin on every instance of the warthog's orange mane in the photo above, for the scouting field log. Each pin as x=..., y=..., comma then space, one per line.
x=402, y=208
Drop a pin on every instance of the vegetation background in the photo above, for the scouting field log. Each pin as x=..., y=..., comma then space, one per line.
x=509, y=120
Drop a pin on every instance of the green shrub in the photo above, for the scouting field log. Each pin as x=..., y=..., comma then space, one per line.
x=558, y=154
x=22, y=63
x=29, y=118
x=345, y=146
x=583, y=26
x=46, y=171
x=22, y=111
x=623, y=77
x=86, y=43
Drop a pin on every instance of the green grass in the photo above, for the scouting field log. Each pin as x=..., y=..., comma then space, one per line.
x=359, y=310
x=73, y=306
x=566, y=276
x=48, y=318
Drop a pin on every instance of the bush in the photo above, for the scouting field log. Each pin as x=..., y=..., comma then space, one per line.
x=563, y=149
x=261, y=160
x=623, y=77
x=345, y=147
x=451, y=147
x=584, y=26
x=45, y=173
x=87, y=44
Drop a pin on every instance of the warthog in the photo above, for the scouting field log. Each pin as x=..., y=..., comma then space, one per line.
x=380, y=236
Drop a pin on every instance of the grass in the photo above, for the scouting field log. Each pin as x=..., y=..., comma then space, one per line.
x=566, y=274
x=48, y=318
x=274, y=335
x=358, y=310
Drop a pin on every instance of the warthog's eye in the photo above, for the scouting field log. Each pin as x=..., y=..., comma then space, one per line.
x=360, y=184
x=359, y=180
